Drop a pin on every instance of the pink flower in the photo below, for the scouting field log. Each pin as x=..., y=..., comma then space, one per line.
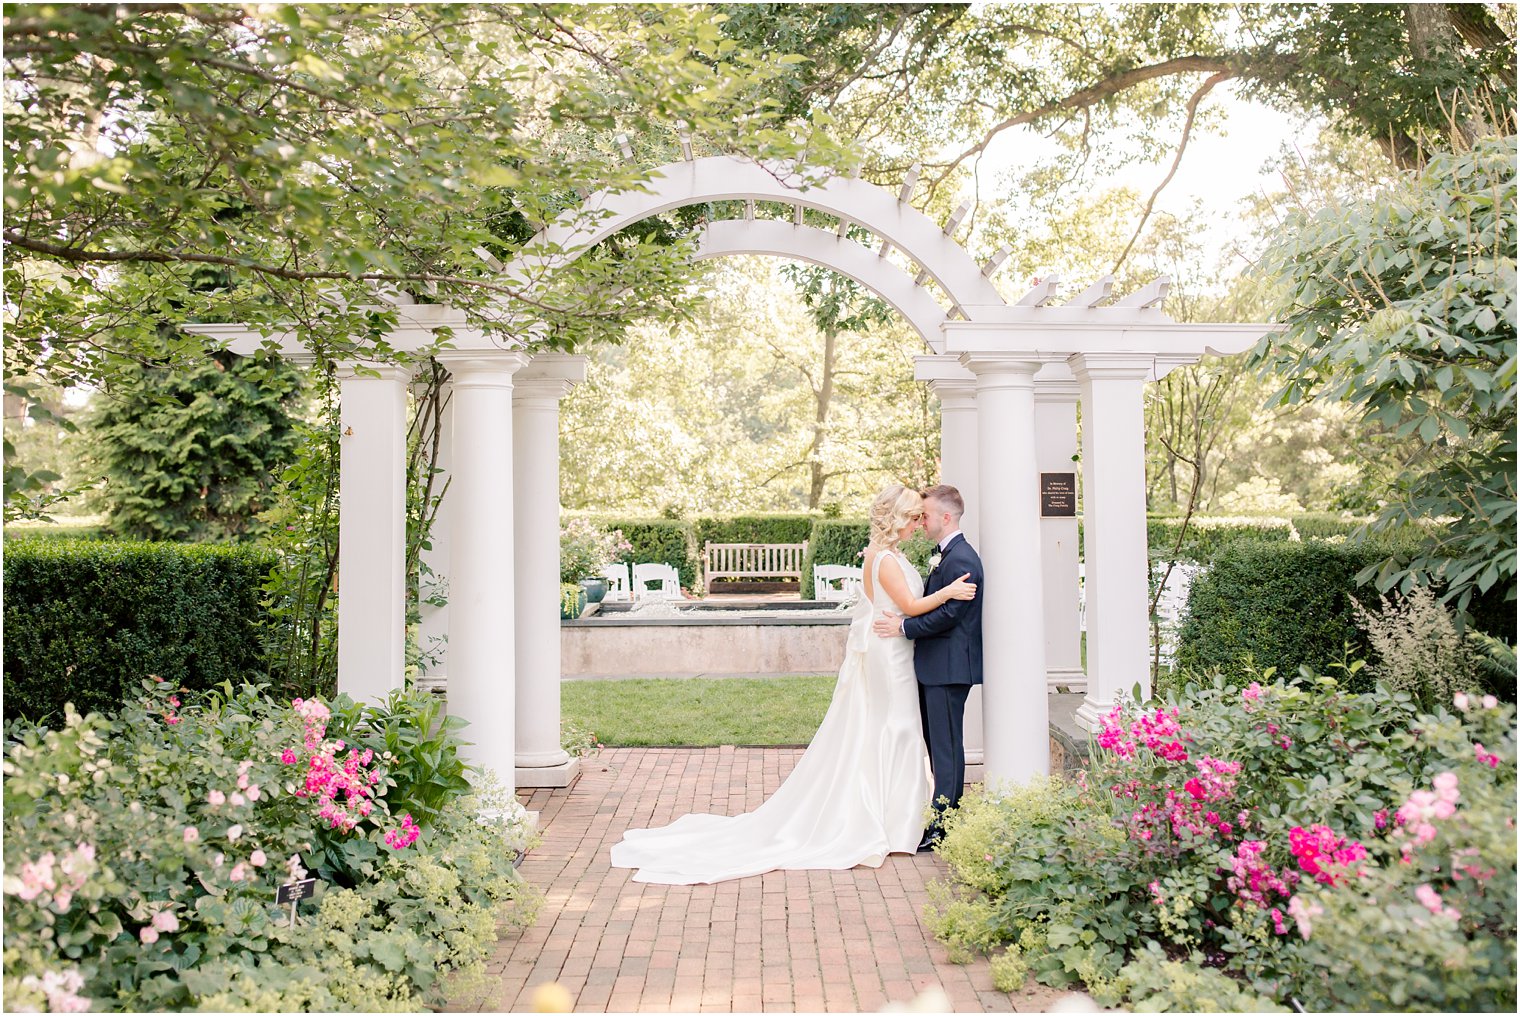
x=254, y=792
x=216, y=798
x=1323, y=854
x=1304, y=914
x=1485, y=756
x=148, y=934
x=239, y=872
x=192, y=834
x=1278, y=925
x=238, y=800
x=172, y=720
x=1489, y=702
x=1252, y=692
x=165, y=921
x=1460, y=700
x=258, y=859
x=1433, y=903
x=1157, y=897
x=174, y=701
x=288, y=757
x=400, y=839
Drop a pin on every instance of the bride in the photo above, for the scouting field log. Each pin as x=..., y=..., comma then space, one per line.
x=860, y=790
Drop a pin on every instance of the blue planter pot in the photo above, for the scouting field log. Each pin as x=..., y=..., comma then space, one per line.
x=595, y=589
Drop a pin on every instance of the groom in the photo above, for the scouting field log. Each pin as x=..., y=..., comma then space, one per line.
x=947, y=653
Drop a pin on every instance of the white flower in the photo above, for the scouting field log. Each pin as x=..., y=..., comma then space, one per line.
x=934, y=559
x=234, y=833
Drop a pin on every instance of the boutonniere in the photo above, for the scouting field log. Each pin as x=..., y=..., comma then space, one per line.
x=934, y=560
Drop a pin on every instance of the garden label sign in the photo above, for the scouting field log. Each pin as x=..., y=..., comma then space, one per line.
x=293, y=893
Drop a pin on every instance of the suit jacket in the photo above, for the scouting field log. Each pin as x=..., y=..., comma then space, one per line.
x=947, y=641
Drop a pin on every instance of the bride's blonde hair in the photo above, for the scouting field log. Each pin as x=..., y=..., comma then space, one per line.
x=889, y=514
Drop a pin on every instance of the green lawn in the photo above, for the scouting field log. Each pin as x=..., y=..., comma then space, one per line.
x=701, y=712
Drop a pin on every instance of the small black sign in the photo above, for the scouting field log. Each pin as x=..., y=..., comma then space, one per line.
x=294, y=892
x=1058, y=495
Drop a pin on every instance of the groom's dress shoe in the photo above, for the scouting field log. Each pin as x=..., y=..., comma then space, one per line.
x=928, y=843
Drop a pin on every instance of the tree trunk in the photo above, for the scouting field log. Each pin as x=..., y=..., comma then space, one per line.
x=822, y=396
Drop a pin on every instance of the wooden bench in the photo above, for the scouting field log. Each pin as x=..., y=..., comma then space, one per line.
x=753, y=561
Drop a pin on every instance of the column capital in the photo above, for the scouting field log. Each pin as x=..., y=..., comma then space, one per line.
x=1000, y=371
x=1114, y=366
x=548, y=377
x=482, y=368
x=371, y=370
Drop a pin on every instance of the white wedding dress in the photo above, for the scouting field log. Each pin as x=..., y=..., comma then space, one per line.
x=858, y=793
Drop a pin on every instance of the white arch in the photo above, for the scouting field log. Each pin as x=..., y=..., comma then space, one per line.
x=830, y=250
x=729, y=178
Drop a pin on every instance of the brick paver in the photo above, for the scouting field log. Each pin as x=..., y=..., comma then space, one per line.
x=786, y=941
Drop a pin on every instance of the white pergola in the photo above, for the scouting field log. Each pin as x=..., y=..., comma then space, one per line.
x=1009, y=378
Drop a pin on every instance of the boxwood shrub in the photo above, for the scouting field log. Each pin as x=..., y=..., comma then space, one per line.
x=833, y=541
x=758, y=528
x=86, y=620
x=1285, y=605
x=658, y=541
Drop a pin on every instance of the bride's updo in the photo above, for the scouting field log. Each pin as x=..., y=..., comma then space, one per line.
x=889, y=514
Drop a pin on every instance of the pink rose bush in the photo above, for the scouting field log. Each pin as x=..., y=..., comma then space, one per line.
x=1305, y=841
x=148, y=845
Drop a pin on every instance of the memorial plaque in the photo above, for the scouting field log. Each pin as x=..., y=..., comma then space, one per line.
x=1058, y=495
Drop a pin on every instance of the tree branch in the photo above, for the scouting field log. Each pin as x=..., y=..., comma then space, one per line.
x=1092, y=95
x=1187, y=133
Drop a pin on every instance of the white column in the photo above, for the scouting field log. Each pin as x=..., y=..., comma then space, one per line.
x=539, y=386
x=433, y=633
x=1015, y=709
x=1113, y=506
x=482, y=617
x=372, y=529
x=1055, y=424
x=955, y=387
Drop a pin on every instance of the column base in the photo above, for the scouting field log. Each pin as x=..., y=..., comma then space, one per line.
x=1090, y=713
x=1070, y=678
x=976, y=772
x=549, y=777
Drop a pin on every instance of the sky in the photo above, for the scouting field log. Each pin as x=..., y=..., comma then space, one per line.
x=1220, y=166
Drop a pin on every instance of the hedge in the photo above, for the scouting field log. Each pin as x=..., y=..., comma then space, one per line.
x=1285, y=605
x=85, y=621
x=758, y=528
x=658, y=541
x=833, y=541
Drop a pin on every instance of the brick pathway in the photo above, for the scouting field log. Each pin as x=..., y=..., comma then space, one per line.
x=836, y=941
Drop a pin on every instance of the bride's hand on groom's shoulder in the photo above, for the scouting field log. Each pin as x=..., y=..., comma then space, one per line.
x=961, y=588
x=888, y=625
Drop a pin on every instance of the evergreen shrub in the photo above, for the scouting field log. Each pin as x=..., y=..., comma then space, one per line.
x=86, y=620
x=657, y=541
x=1284, y=605
x=833, y=541
x=757, y=528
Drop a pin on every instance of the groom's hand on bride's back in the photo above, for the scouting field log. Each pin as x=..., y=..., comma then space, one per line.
x=888, y=625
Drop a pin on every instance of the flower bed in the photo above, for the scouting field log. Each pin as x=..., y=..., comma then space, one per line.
x=144, y=852
x=1256, y=848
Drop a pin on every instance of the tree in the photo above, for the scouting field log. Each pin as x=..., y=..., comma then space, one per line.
x=1403, y=306
x=193, y=452
x=838, y=304
x=308, y=154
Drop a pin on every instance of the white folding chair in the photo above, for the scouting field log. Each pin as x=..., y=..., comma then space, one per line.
x=665, y=577
x=1081, y=597
x=825, y=577
x=619, y=585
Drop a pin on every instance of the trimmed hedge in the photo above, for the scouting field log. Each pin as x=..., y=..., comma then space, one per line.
x=1209, y=535
x=833, y=541
x=1285, y=605
x=86, y=621
x=757, y=528
x=658, y=541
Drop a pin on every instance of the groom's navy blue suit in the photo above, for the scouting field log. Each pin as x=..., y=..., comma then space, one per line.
x=947, y=658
